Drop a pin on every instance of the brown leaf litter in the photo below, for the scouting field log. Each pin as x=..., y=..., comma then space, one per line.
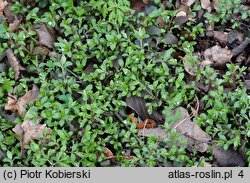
x=228, y=158
x=18, y=105
x=14, y=63
x=218, y=56
x=30, y=130
x=2, y=6
x=46, y=36
x=196, y=138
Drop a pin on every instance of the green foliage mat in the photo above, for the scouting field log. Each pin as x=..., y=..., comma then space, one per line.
x=88, y=57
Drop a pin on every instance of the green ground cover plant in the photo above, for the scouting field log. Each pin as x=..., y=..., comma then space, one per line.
x=88, y=58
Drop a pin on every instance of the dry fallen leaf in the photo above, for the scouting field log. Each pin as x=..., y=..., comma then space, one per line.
x=15, y=105
x=180, y=20
x=46, y=35
x=221, y=37
x=14, y=63
x=220, y=56
x=13, y=26
x=30, y=130
x=2, y=5
x=108, y=153
x=147, y=132
x=188, y=2
x=196, y=138
x=206, y=4
x=138, y=104
x=147, y=123
x=227, y=158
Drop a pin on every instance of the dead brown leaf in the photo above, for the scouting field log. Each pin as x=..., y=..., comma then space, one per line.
x=160, y=21
x=13, y=26
x=180, y=20
x=108, y=153
x=196, y=138
x=2, y=6
x=138, y=104
x=205, y=63
x=221, y=37
x=138, y=5
x=220, y=56
x=227, y=158
x=234, y=35
x=206, y=4
x=147, y=132
x=15, y=105
x=14, y=63
x=188, y=2
x=30, y=130
x=46, y=35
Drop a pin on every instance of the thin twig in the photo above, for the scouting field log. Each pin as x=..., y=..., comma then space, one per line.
x=145, y=124
x=72, y=73
x=22, y=27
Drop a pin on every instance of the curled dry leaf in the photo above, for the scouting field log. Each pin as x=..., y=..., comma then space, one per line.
x=14, y=63
x=220, y=56
x=138, y=6
x=46, y=35
x=160, y=21
x=147, y=123
x=108, y=153
x=15, y=105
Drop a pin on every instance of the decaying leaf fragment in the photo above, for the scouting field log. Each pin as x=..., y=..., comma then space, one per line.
x=147, y=123
x=196, y=138
x=108, y=153
x=30, y=130
x=13, y=26
x=14, y=63
x=46, y=35
x=2, y=5
x=206, y=4
x=218, y=55
x=188, y=2
x=228, y=158
x=17, y=105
